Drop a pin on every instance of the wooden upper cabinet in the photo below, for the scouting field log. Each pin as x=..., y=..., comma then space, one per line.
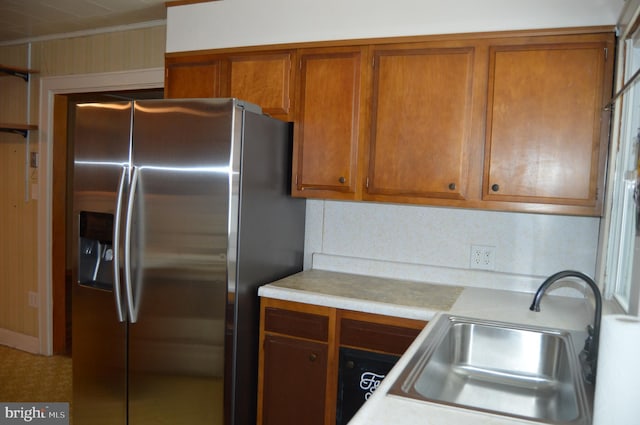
x=546, y=133
x=265, y=79
x=421, y=112
x=192, y=77
x=329, y=99
x=512, y=122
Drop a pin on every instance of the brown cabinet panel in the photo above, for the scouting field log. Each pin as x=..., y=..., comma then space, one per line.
x=420, y=122
x=192, y=79
x=294, y=374
x=544, y=131
x=376, y=336
x=296, y=323
x=327, y=131
x=264, y=79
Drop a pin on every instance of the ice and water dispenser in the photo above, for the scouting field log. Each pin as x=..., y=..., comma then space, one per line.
x=96, y=250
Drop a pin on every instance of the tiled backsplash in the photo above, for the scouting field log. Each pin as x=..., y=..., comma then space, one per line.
x=434, y=244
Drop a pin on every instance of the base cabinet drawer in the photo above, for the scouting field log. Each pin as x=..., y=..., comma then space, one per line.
x=296, y=323
x=376, y=336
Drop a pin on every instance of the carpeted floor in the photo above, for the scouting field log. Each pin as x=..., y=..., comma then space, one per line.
x=34, y=378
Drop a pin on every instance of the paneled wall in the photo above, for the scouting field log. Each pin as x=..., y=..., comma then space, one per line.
x=116, y=51
x=18, y=212
x=106, y=52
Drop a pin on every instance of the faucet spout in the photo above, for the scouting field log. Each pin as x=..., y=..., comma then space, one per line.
x=589, y=354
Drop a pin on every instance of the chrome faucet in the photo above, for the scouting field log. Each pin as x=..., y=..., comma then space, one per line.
x=589, y=354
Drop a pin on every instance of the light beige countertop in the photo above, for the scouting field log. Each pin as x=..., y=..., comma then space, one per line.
x=417, y=300
x=392, y=297
x=425, y=301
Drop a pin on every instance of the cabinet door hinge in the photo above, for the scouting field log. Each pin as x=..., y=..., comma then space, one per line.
x=366, y=183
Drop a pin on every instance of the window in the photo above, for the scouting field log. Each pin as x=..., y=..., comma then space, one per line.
x=623, y=277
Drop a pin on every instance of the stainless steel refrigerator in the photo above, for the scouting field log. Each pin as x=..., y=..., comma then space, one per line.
x=180, y=211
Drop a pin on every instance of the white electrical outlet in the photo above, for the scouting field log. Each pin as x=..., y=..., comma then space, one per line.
x=482, y=257
x=34, y=299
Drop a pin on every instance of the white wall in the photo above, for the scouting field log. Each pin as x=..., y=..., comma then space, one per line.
x=434, y=244
x=411, y=242
x=231, y=23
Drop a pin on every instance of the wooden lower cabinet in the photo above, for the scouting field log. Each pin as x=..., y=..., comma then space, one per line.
x=305, y=349
x=294, y=374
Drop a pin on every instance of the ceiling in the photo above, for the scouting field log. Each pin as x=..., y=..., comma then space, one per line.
x=24, y=19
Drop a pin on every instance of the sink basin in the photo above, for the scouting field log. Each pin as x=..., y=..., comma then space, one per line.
x=520, y=371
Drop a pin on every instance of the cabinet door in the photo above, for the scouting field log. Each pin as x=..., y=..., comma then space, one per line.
x=420, y=123
x=192, y=79
x=545, y=123
x=295, y=376
x=264, y=79
x=327, y=132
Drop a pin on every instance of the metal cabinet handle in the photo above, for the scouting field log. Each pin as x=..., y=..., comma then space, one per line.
x=452, y=186
x=133, y=313
x=116, y=246
x=495, y=187
x=313, y=357
x=342, y=180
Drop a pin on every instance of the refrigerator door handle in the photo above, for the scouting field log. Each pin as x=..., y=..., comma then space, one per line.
x=116, y=246
x=133, y=311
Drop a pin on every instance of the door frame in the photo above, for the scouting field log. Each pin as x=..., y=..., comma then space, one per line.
x=50, y=87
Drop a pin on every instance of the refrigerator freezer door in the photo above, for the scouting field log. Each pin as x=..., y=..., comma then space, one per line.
x=178, y=256
x=102, y=137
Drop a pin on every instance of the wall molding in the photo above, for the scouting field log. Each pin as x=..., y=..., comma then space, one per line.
x=86, y=33
x=20, y=341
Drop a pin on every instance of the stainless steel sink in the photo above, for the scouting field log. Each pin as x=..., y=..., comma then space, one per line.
x=519, y=371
